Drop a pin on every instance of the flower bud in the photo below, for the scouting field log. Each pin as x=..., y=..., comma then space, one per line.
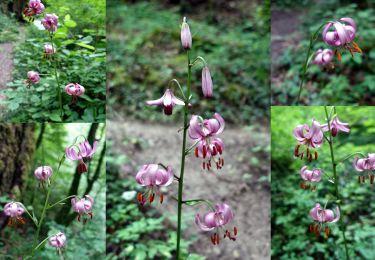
x=206, y=82
x=186, y=39
x=33, y=76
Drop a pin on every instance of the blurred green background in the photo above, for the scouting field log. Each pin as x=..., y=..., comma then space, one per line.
x=144, y=53
x=291, y=205
x=350, y=82
x=31, y=145
x=81, y=52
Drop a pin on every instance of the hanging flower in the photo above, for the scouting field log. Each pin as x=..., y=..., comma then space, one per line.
x=365, y=164
x=209, y=146
x=207, y=85
x=323, y=57
x=216, y=220
x=342, y=35
x=186, y=40
x=313, y=176
x=82, y=206
x=310, y=138
x=323, y=216
x=34, y=7
x=49, y=49
x=336, y=126
x=168, y=101
x=84, y=153
x=14, y=210
x=32, y=78
x=50, y=22
x=42, y=174
x=58, y=241
x=153, y=178
x=75, y=90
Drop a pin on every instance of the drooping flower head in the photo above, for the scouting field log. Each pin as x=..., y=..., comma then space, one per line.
x=168, y=101
x=82, y=206
x=34, y=7
x=186, y=40
x=14, y=210
x=342, y=35
x=310, y=138
x=365, y=164
x=58, y=241
x=32, y=78
x=42, y=173
x=75, y=90
x=207, y=85
x=50, y=22
x=323, y=216
x=216, y=220
x=323, y=57
x=82, y=152
x=153, y=177
x=308, y=175
x=49, y=49
x=209, y=146
x=336, y=126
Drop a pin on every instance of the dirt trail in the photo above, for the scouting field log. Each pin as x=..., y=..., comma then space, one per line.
x=6, y=65
x=145, y=142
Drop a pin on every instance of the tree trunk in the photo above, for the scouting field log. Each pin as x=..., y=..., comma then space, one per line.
x=17, y=8
x=17, y=146
x=63, y=217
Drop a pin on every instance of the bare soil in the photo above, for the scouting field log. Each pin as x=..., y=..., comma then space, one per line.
x=236, y=184
x=6, y=65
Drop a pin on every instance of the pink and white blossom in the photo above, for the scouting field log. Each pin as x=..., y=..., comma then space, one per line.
x=42, y=174
x=14, y=210
x=58, y=240
x=82, y=152
x=322, y=215
x=153, y=177
x=82, y=206
x=205, y=133
x=336, y=126
x=34, y=7
x=323, y=57
x=168, y=101
x=310, y=175
x=186, y=39
x=49, y=49
x=364, y=164
x=33, y=77
x=50, y=22
x=216, y=220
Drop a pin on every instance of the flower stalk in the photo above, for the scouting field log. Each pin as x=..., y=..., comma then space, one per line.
x=58, y=91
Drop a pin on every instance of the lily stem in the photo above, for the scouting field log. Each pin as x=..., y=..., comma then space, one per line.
x=183, y=155
x=57, y=80
x=335, y=176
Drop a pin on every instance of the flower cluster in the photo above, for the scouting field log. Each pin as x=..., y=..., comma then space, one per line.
x=340, y=35
x=207, y=146
x=309, y=139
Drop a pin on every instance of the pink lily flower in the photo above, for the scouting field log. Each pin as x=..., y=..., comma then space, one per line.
x=75, y=90
x=342, y=35
x=49, y=49
x=215, y=220
x=153, y=178
x=207, y=85
x=32, y=78
x=336, y=126
x=14, y=210
x=365, y=164
x=34, y=7
x=42, y=174
x=186, y=39
x=58, y=241
x=308, y=175
x=84, y=153
x=310, y=137
x=82, y=206
x=323, y=216
x=209, y=146
x=50, y=22
x=323, y=57
x=168, y=101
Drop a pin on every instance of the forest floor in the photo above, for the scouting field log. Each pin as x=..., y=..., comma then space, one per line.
x=238, y=183
x=6, y=64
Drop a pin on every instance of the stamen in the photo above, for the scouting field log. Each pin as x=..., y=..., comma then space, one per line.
x=222, y=161
x=204, y=151
x=311, y=228
x=359, y=179
x=161, y=198
x=196, y=152
x=217, y=239
x=363, y=179
x=219, y=149
x=212, y=239
x=310, y=158
x=372, y=179
x=152, y=197
x=307, y=152
x=204, y=165
x=316, y=155
x=301, y=156
x=235, y=231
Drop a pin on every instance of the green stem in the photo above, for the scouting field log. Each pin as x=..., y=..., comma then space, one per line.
x=58, y=90
x=54, y=204
x=306, y=64
x=183, y=155
x=349, y=156
x=335, y=176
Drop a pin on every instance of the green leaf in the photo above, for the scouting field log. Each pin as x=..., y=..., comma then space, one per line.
x=85, y=46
